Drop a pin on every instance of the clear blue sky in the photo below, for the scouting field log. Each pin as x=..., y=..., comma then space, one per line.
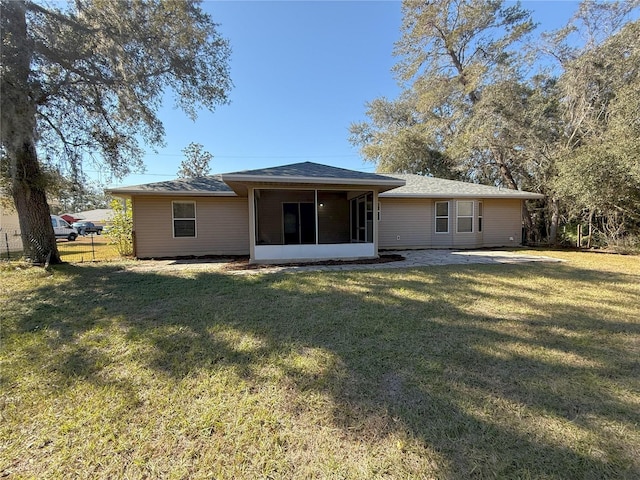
x=303, y=72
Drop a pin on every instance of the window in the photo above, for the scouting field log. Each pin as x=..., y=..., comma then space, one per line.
x=480, y=216
x=465, y=217
x=184, y=219
x=442, y=217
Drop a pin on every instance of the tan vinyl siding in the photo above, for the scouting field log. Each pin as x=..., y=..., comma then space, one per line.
x=222, y=227
x=414, y=221
x=410, y=219
x=502, y=223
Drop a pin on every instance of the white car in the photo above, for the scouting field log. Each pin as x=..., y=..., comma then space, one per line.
x=62, y=229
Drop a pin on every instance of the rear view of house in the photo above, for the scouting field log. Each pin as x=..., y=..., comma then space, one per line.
x=307, y=211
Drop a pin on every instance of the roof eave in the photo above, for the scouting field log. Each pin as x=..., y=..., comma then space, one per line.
x=239, y=182
x=528, y=196
x=169, y=193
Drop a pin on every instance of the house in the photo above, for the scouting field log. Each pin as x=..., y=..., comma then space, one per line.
x=307, y=211
x=100, y=216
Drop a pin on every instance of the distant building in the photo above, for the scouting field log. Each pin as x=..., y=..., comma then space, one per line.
x=10, y=239
x=100, y=216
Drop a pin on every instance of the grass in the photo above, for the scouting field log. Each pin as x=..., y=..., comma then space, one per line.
x=87, y=249
x=485, y=371
x=83, y=249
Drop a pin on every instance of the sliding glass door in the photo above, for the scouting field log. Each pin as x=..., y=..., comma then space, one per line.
x=299, y=223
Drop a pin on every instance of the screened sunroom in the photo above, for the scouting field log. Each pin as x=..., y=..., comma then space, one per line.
x=308, y=214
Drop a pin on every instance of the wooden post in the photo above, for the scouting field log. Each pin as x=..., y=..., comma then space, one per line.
x=579, y=242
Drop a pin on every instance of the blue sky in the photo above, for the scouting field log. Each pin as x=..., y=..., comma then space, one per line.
x=303, y=72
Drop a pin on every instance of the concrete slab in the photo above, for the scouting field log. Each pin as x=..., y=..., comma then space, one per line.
x=418, y=259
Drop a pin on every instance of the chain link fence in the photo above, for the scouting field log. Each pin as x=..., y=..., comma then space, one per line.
x=87, y=248
x=10, y=246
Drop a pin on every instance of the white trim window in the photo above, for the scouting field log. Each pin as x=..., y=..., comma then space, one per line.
x=442, y=217
x=464, y=213
x=479, y=216
x=184, y=219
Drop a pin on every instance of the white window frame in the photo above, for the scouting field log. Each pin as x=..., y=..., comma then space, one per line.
x=480, y=216
x=458, y=216
x=442, y=216
x=174, y=218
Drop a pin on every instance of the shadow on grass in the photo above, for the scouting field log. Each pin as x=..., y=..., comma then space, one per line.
x=490, y=391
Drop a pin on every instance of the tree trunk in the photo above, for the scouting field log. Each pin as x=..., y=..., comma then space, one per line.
x=555, y=221
x=18, y=130
x=30, y=200
x=528, y=223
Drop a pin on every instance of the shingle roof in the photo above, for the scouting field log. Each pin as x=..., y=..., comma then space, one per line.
x=308, y=173
x=416, y=186
x=430, y=187
x=210, y=185
x=309, y=170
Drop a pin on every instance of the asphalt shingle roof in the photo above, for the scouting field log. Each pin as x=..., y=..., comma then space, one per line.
x=310, y=170
x=431, y=187
x=416, y=186
x=197, y=186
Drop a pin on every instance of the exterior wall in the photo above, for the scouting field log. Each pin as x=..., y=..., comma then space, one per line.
x=222, y=227
x=502, y=222
x=410, y=223
x=406, y=223
x=291, y=253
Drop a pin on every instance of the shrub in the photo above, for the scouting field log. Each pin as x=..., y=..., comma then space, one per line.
x=121, y=231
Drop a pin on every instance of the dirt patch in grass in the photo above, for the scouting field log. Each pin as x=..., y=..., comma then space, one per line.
x=243, y=263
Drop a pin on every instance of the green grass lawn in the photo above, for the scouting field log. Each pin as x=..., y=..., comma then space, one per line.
x=87, y=249
x=482, y=371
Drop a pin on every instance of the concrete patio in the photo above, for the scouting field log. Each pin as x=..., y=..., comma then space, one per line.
x=412, y=259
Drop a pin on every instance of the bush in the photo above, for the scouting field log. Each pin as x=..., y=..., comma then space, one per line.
x=121, y=231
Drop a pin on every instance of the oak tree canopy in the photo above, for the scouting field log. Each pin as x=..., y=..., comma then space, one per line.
x=85, y=79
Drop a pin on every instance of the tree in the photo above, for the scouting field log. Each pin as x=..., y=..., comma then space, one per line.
x=196, y=162
x=457, y=60
x=594, y=143
x=397, y=139
x=88, y=77
x=569, y=132
x=599, y=174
